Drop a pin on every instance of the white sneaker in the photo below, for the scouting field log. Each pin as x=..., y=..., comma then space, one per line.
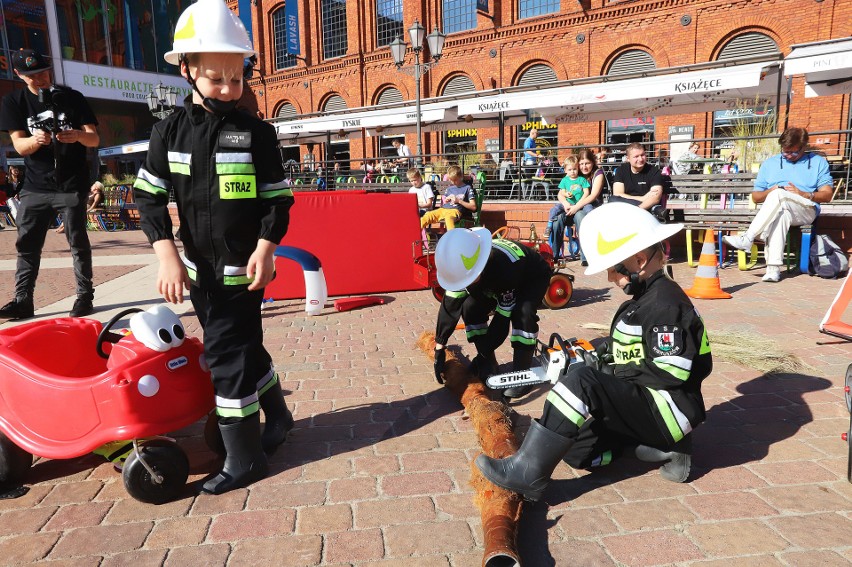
x=740, y=242
x=773, y=274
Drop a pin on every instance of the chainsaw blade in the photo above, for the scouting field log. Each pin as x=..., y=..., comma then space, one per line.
x=535, y=375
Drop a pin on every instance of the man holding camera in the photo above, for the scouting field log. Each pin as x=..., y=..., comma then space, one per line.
x=51, y=127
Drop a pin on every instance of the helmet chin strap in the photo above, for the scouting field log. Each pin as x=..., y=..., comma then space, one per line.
x=635, y=286
x=213, y=105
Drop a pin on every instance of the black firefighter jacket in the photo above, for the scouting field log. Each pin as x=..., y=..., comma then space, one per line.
x=229, y=185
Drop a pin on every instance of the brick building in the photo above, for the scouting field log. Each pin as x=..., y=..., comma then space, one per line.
x=344, y=61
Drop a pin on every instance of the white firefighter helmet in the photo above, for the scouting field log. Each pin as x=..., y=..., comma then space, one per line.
x=461, y=256
x=209, y=26
x=613, y=232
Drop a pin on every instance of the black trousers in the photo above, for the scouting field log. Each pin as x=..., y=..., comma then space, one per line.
x=233, y=346
x=617, y=413
x=522, y=311
x=35, y=214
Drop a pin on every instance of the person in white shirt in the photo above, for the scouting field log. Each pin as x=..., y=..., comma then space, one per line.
x=403, y=152
x=424, y=191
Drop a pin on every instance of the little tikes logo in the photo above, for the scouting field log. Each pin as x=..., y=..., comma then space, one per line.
x=176, y=363
x=470, y=261
x=607, y=246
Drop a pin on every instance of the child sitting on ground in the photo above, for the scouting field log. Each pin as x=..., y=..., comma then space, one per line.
x=572, y=188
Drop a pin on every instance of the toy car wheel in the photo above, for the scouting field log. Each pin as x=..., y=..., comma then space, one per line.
x=167, y=460
x=14, y=462
x=438, y=292
x=849, y=458
x=559, y=291
x=213, y=436
x=848, y=388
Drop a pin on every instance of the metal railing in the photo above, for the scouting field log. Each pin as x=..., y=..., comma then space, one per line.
x=508, y=178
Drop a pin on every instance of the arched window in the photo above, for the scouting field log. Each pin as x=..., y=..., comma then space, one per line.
x=537, y=75
x=388, y=21
x=334, y=103
x=459, y=15
x=532, y=8
x=283, y=59
x=748, y=45
x=458, y=85
x=389, y=95
x=633, y=61
x=287, y=110
x=334, y=42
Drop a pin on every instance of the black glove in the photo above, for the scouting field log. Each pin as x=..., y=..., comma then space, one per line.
x=605, y=358
x=440, y=362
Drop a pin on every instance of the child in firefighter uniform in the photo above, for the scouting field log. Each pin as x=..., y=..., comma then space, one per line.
x=225, y=171
x=481, y=275
x=651, y=393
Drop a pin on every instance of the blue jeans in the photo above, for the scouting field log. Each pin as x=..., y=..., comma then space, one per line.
x=578, y=219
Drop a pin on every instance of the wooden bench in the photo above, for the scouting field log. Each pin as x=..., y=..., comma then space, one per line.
x=722, y=203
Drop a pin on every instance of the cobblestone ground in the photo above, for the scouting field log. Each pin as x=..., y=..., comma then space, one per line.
x=376, y=470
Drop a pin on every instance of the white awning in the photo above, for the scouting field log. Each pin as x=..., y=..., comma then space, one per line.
x=131, y=148
x=665, y=91
x=826, y=65
x=341, y=124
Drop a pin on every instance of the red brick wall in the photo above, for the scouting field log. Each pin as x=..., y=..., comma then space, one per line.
x=609, y=26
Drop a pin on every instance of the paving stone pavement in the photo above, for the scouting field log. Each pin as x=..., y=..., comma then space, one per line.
x=376, y=470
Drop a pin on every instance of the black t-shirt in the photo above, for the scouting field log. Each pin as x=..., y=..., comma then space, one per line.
x=21, y=110
x=638, y=184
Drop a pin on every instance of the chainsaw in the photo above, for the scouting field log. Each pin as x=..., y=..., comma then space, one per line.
x=555, y=358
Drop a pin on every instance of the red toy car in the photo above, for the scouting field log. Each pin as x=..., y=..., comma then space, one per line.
x=69, y=386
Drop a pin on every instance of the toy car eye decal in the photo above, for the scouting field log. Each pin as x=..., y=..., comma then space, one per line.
x=148, y=386
x=177, y=331
x=164, y=336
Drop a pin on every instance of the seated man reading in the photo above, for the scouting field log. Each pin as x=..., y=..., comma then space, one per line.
x=458, y=198
x=790, y=185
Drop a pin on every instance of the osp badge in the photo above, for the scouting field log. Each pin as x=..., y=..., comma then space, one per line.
x=668, y=341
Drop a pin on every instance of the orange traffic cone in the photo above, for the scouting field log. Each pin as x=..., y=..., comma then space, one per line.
x=706, y=284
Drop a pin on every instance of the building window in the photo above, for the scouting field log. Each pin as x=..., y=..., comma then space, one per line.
x=390, y=95
x=749, y=45
x=459, y=15
x=632, y=61
x=128, y=34
x=532, y=8
x=334, y=43
x=283, y=59
x=24, y=27
x=388, y=21
x=287, y=110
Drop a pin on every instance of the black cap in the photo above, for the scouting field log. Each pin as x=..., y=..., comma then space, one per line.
x=29, y=62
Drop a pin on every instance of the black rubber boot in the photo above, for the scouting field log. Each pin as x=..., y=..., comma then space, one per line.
x=245, y=461
x=483, y=365
x=528, y=471
x=521, y=360
x=279, y=420
x=679, y=459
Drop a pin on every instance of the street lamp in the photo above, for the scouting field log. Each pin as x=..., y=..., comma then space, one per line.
x=436, y=47
x=161, y=100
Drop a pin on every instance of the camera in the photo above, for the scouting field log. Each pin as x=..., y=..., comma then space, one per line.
x=53, y=99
